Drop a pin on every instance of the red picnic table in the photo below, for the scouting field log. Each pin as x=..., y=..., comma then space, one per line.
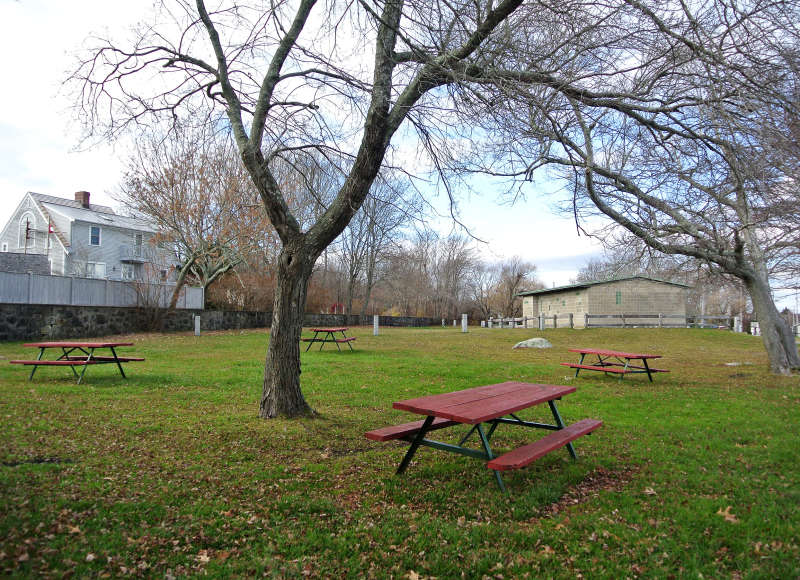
x=86, y=356
x=614, y=361
x=329, y=335
x=492, y=405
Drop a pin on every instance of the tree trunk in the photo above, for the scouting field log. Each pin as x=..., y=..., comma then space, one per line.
x=282, y=396
x=777, y=336
x=179, y=284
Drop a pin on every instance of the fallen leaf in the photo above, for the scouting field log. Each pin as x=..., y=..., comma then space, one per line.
x=649, y=491
x=729, y=517
x=90, y=557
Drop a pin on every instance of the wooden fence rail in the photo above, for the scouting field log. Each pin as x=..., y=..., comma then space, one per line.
x=633, y=320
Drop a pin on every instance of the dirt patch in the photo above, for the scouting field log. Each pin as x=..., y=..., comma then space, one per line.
x=600, y=479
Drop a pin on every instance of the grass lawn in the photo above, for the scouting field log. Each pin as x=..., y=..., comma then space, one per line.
x=171, y=473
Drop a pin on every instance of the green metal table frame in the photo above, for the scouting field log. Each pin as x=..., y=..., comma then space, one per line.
x=330, y=336
x=418, y=439
x=603, y=361
x=87, y=356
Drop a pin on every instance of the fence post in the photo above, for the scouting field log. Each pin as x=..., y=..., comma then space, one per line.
x=490, y=322
x=30, y=287
x=463, y=323
x=660, y=320
x=571, y=322
x=586, y=320
x=71, y=290
x=483, y=324
x=442, y=322
x=541, y=321
x=737, y=324
x=197, y=325
x=374, y=325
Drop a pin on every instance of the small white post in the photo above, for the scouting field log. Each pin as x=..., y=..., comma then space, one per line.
x=541, y=321
x=197, y=325
x=454, y=323
x=374, y=325
x=661, y=320
x=483, y=324
x=463, y=323
x=490, y=322
x=442, y=322
x=571, y=321
x=737, y=324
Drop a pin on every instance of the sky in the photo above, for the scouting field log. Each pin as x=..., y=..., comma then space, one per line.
x=40, y=148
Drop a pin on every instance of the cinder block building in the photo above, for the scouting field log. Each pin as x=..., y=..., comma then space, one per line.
x=629, y=296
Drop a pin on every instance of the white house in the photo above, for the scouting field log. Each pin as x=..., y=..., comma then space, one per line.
x=84, y=239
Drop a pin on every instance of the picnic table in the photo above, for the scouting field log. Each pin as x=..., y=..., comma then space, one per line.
x=484, y=409
x=329, y=335
x=613, y=361
x=77, y=354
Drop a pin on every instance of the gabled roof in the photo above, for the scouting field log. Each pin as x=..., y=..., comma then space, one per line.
x=95, y=214
x=596, y=283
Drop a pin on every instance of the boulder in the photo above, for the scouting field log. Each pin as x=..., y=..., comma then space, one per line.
x=534, y=343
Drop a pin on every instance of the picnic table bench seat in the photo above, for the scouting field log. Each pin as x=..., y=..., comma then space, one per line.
x=609, y=368
x=339, y=340
x=406, y=429
x=55, y=363
x=527, y=454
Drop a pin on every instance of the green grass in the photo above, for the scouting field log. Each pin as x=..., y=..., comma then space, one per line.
x=171, y=473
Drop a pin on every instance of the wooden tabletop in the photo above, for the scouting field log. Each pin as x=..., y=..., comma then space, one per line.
x=484, y=403
x=330, y=329
x=604, y=352
x=71, y=344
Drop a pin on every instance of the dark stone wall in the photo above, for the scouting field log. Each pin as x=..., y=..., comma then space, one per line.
x=39, y=321
x=24, y=263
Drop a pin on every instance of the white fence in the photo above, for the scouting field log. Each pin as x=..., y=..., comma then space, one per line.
x=69, y=290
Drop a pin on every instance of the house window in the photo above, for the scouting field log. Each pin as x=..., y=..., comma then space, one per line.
x=619, y=297
x=5, y=246
x=94, y=236
x=27, y=231
x=127, y=272
x=95, y=270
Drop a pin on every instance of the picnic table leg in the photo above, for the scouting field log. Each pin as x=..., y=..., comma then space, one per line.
x=310, y=342
x=415, y=444
x=490, y=455
x=580, y=362
x=116, y=360
x=333, y=338
x=65, y=352
x=467, y=436
x=647, y=368
x=627, y=363
x=86, y=365
x=41, y=353
x=560, y=423
x=348, y=344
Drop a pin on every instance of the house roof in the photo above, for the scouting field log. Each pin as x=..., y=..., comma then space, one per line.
x=96, y=214
x=596, y=283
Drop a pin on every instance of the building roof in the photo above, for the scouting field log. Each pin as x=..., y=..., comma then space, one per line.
x=596, y=283
x=96, y=214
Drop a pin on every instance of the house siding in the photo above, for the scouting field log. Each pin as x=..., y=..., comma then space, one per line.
x=112, y=242
x=70, y=248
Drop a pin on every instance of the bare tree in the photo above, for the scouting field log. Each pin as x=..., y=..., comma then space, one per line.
x=656, y=115
x=287, y=83
x=192, y=186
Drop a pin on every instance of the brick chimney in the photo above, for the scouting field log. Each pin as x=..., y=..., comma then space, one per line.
x=82, y=197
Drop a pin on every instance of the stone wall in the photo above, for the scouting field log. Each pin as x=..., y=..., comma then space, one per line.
x=39, y=322
x=24, y=263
